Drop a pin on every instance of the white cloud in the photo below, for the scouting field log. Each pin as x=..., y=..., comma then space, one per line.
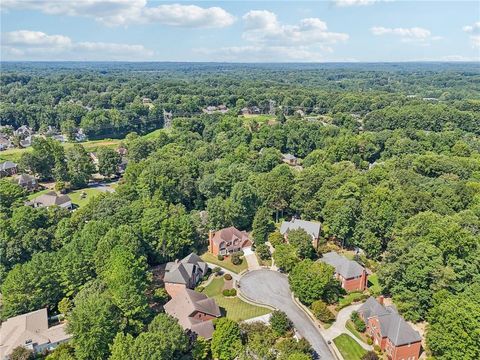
x=417, y=35
x=262, y=26
x=37, y=45
x=124, y=12
x=345, y=3
x=474, y=31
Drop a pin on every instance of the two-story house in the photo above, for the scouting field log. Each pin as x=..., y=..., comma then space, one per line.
x=185, y=273
x=228, y=241
x=351, y=274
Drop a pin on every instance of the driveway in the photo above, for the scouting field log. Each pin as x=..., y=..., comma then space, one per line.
x=251, y=259
x=272, y=288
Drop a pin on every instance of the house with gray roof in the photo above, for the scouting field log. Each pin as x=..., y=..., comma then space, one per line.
x=185, y=273
x=28, y=182
x=351, y=274
x=312, y=228
x=194, y=311
x=290, y=159
x=8, y=168
x=390, y=331
x=51, y=198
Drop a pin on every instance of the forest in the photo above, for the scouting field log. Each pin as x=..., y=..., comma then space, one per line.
x=390, y=163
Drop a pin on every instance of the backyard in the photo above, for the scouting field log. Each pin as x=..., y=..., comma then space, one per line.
x=233, y=307
x=226, y=263
x=348, y=347
x=75, y=195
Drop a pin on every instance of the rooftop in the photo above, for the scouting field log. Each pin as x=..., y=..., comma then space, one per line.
x=346, y=268
x=311, y=227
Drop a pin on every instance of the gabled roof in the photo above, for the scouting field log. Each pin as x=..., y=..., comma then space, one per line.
x=229, y=234
x=7, y=165
x=185, y=304
x=346, y=268
x=25, y=179
x=51, y=198
x=32, y=328
x=311, y=227
x=288, y=157
x=392, y=324
x=180, y=272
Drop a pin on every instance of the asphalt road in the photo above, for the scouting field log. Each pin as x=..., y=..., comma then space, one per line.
x=272, y=288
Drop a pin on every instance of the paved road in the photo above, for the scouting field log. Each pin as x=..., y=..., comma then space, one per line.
x=271, y=288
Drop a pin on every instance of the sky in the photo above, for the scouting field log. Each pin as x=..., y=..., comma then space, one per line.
x=240, y=31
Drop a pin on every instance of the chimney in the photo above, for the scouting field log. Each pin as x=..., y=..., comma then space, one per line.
x=210, y=241
x=380, y=299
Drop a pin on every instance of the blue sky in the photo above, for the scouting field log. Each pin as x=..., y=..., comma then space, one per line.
x=240, y=31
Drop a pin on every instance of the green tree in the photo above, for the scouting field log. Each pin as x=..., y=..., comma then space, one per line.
x=80, y=166
x=10, y=193
x=285, y=257
x=21, y=353
x=201, y=349
x=108, y=161
x=311, y=281
x=94, y=322
x=322, y=312
x=63, y=351
x=280, y=323
x=262, y=225
x=302, y=242
x=226, y=340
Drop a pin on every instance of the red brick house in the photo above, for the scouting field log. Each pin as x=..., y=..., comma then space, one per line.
x=194, y=312
x=185, y=273
x=351, y=274
x=228, y=241
x=390, y=331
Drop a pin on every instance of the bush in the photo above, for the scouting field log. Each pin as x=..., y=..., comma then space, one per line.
x=200, y=288
x=216, y=270
x=263, y=252
x=322, y=312
x=275, y=238
x=280, y=323
x=371, y=355
x=240, y=253
x=227, y=277
x=357, y=322
x=377, y=349
x=229, y=292
x=161, y=295
x=220, y=257
x=236, y=260
x=369, y=341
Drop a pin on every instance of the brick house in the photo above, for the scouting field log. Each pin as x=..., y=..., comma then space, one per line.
x=390, y=331
x=183, y=274
x=351, y=274
x=311, y=227
x=228, y=241
x=194, y=311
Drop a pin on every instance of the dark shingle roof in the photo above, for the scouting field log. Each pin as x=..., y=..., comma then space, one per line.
x=346, y=268
x=392, y=324
x=311, y=227
x=7, y=165
x=180, y=272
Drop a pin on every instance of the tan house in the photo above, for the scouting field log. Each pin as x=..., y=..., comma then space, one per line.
x=194, y=312
x=185, y=273
x=31, y=331
x=28, y=182
x=228, y=241
x=51, y=198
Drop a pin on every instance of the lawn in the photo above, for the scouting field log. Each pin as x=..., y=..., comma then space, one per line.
x=15, y=154
x=348, y=347
x=74, y=195
x=350, y=298
x=374, y=285
x=350, y=326
x=226, y=263
x=232, y=307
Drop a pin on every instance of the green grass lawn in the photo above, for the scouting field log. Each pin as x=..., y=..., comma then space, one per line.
x=350, y=298
x=350, y=326
x=348, y=347
x=233, y=307
x=226, y=263
x=374, y=285
x=74, y=195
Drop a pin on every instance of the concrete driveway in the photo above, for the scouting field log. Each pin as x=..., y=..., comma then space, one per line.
x=272, y=288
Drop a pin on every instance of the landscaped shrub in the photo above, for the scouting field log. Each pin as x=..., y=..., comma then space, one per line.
x=227, y=277
x=377, y=349
x=280, y=323
x=161, y=295
x=236, y=260
x=216, y=270
x=371, y=355
x=229, y=292
x=322, y=312
x=369, y=341
x=220, y=257
x=357, y=321
x=263, y=251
